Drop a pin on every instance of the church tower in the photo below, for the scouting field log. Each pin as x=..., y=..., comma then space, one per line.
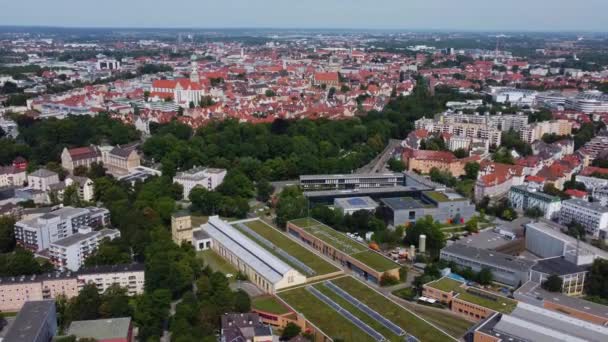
x=194, y=77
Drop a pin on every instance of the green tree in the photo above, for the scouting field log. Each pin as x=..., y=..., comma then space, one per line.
x=553, y=283
x=471, y=170
x=242, y=302
x=595, y=284
x=485, y=276
x=534, y=212
x=290, y=331
x=435, y=239
x=7, y=234
x=290, y=205
x=264, y=190
x=115, y=303
x=86, y=305
x=396, y=165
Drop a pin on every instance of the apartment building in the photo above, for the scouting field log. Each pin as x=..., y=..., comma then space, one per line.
x=15, y=291
x=592, y=216
x=14, y=174
x=206, y=178
x=38, y=233
x=71, y=252
x=496, y=179
x=42, y=179
x=350, y=181
x=595, y=146
x=505, y=268
x=535, y=131
x=460, y=125
x=523, y=197
x=423, y=161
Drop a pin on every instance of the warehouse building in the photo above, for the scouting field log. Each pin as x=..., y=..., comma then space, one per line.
x=262, y=268
x=505, y=268
x=546, y=240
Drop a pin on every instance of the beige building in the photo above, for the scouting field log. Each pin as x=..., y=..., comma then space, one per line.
x=536, y=130
x=181, y=227
x=81, y=156
x=15, y=291
x=120, y=160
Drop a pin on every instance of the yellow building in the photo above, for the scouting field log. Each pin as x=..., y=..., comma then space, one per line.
x=181, y=227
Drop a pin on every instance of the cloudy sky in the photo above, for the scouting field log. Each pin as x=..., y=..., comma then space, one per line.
x=541, y=15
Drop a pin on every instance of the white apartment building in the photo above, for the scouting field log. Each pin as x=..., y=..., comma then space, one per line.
x=600, y=195
x=130, y=276
x=443, y=124
x=70, y=253
x=523, y=197
x=42, y=179
x=592, y=216
x=536, y=130
x=84, y=185
x=596, y=145
x=203, y=177
x=38, y=233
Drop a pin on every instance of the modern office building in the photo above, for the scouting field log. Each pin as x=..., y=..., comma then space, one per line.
x=523, y=197
x=206, y=178
x=350, y=181
x=263, y=268
x=546, y=240
x=15, y=291
x=505, y=268
x=592, y=216
x=444, y=207
x=35, y=322
x=38, y=233
x=71, y=252
x=353, y=204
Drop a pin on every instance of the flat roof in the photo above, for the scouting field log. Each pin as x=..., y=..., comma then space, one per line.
x=557, y=265
x=364, y=191
x=355, y=202
x=345, y=244
x=404, y=203
x=101, y=329
x=590, y=205
x=530, y=292
x=489, y=257
x=474, y=295
x=352, y=176
x=74, y=239
x=444, y=196
x=30, y=321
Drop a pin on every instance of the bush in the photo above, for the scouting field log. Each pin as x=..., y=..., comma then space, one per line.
x=407, y=293
x=388, y=280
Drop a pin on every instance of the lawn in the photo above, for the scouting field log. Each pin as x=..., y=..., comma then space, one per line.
x=499, y=303
x=374, y=324
x=376, y=261
x=331, y=236
x=411, y=323
x=323, y=316
x=294, y=249
x=269, y=304
x=217, y=263
x=451, y=324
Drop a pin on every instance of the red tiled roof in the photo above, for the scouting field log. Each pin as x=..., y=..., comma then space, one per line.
x=576, y=193
x=327, y=76
x=589, y=170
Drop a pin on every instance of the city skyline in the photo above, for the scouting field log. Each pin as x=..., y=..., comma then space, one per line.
x=466, y=15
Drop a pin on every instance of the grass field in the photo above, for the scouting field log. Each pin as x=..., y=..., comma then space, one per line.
x=269, y=304
x=333, y=324
x=454, y=326
x=342, y=242
x=391, y=310
x=490, y=301
x=217, y=263
x=294, y=249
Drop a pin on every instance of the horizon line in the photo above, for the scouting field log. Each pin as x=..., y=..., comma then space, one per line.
x=394, y=29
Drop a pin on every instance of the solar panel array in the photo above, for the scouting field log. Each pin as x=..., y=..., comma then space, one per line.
x=394, y=328
x=290, y=258
x=346, y=314
x=411, y=338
